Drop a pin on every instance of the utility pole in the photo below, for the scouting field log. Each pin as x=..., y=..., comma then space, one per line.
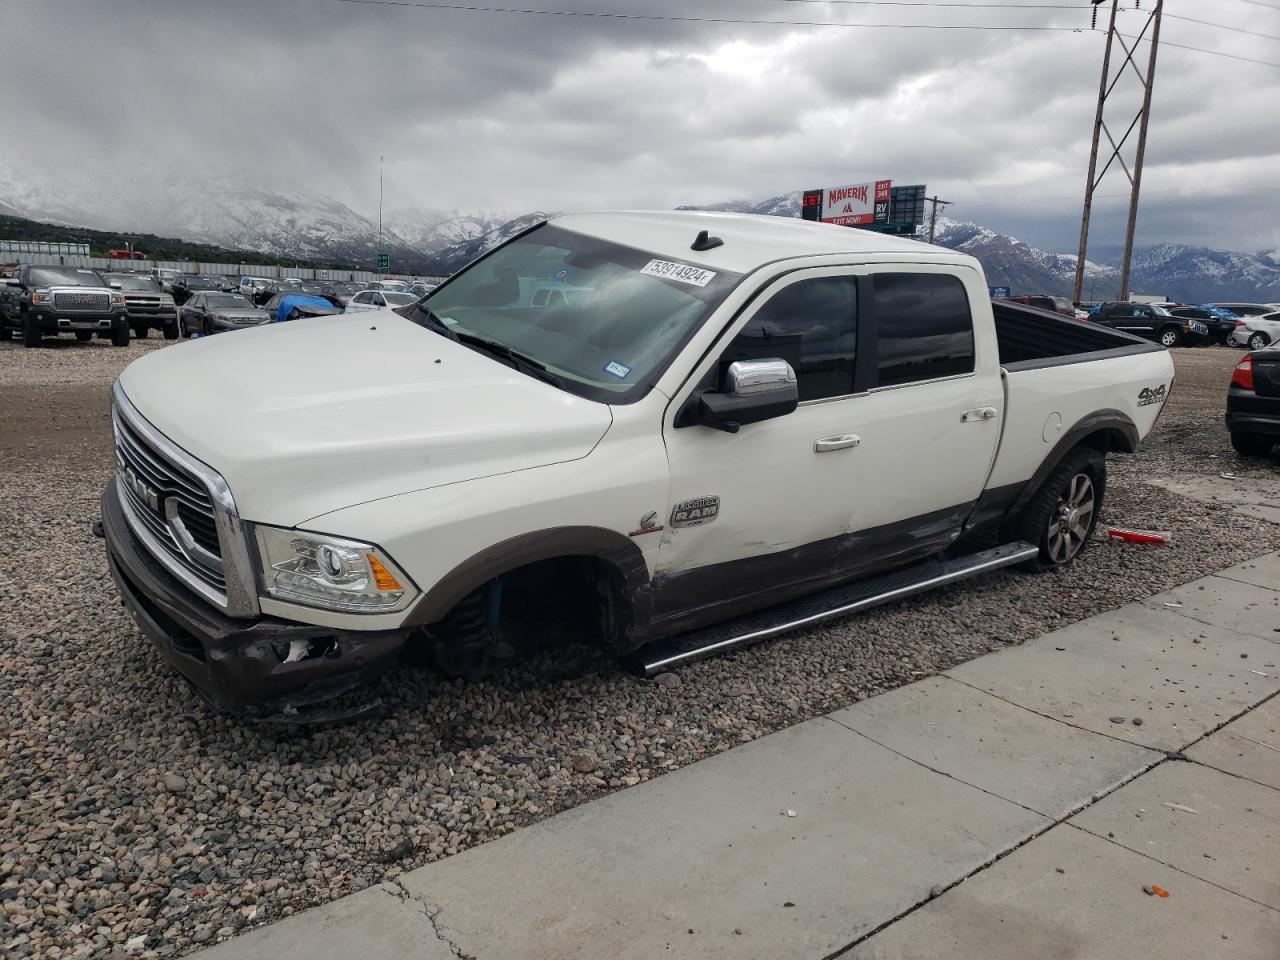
x=1106, y=87
x=379, y=209
x=933, y=215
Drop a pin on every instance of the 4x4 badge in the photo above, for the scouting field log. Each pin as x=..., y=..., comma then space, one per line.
x=1150, y=395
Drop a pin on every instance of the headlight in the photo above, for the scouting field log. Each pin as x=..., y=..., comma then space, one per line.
x=39, y=297
x=117, y=298
x=167, y=300
x=329, y=572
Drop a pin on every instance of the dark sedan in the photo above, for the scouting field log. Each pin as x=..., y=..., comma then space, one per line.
x=1253, y=403
x=189, y=284
x=209, y=312
x=1221, y=323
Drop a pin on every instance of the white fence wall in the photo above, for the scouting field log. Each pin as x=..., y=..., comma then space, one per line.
x=200, y=267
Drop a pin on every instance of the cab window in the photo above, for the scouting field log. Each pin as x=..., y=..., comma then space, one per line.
x=925, y=329
x=812, y=324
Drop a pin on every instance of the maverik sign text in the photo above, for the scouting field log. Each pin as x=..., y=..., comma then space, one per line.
x=849, y=206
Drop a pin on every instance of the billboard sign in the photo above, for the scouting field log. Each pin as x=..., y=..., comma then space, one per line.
x=853, y=205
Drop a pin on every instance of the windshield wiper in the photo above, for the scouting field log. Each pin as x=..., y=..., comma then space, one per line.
x=435, y=323
x=520, y=361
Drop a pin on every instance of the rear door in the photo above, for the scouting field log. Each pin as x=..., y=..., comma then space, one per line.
x=1266, y=373
x=931, y=422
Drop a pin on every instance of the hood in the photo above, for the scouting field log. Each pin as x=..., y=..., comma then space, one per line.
x=304, y=419
x=241, y=313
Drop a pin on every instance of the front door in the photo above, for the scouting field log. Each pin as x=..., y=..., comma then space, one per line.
x=748, y=507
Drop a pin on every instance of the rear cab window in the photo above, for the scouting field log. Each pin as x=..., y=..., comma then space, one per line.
x=924, y=327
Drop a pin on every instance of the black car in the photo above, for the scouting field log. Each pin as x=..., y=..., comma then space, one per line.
x=189, y=284
x=44, y=301
x=1220, y=326
x=1253, y=403
x=210, y=311
x=1152, y=322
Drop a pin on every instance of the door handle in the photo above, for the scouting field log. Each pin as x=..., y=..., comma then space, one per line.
x=842, y=442
x=978, y=414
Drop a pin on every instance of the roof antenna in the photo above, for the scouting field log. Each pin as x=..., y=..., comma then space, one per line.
x=705, y=242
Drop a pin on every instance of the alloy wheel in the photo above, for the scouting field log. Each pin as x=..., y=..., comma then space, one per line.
x=1070, y=522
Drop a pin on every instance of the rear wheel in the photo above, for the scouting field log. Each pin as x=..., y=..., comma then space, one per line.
x=1257, y=341
x=1061, y=517
x=84, y=336
x=30, y=332
x=139, y=331
x=5, y=332
x=120, y=334
x=1170, y=336
x=171, y=330
x=1252, y=444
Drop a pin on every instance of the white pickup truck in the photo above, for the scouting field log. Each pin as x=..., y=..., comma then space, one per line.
x=729, y=427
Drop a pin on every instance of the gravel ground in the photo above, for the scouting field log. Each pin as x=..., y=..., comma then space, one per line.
x=134, y=820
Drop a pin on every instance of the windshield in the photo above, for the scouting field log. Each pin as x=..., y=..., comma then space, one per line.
x=203, y=283
x=604, y=318
x=133, y=281
x=63, y=277
x=399, y=299
x=228, y=301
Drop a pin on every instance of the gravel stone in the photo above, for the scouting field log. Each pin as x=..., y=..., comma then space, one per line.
x=96, y=850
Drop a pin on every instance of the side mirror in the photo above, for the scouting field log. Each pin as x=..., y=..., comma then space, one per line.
x=12, y=282
x=754, y=390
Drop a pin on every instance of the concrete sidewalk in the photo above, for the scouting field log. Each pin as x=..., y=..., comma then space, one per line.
x=1014, y=807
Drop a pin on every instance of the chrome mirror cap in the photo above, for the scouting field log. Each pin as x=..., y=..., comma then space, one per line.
x=747, y=377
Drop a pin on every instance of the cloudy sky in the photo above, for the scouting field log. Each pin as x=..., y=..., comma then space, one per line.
x=512, y=112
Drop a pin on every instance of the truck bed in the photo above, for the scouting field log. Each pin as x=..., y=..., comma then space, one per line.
x=1030, y=338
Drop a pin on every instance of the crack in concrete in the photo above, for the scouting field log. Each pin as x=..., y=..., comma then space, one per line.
x=403, y=894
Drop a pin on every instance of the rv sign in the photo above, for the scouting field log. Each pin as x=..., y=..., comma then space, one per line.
x=849, y=206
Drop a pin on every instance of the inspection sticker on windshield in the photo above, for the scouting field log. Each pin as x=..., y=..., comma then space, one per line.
x=680, y=272
x=619, y=370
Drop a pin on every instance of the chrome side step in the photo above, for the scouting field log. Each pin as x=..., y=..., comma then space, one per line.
x=837, y=602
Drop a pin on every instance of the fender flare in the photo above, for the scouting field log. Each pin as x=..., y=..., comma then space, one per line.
x=618, y=551
x=1114, y=430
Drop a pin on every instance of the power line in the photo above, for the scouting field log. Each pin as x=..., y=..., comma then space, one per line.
x=1259, y=3
x=603, y=15
x=1215, y=53
x=1223, y=26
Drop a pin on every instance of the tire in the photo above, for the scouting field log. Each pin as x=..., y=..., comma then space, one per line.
x=1170, y=337
x=1252, y=444
x=183, y=330
x=139, y=331
x=171, y=330
x=1079, y=481
x=120, y=334
x=84, y=336
x=30, y=332
x=5, y=332
x=1257, y=341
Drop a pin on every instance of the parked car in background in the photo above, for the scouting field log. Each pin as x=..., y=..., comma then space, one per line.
x=146, y=303
x=1256, y=332
x=1152, y=322
x=191, y=283
x=1253, y=403
x=341, y=292
x=379, y=300
x=251, y=287
x=215, y=312
x=1246, y=310
x=422, y=288
x=697, y=440
x=1062, y=305
x=49, y=300
x=166, y=278
x=296, y=306
x=1221, y=323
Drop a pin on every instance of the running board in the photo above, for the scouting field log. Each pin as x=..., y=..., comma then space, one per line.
x=837, y=602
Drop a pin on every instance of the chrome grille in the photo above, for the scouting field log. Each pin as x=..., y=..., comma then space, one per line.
x=167, y=501
x=81, y=300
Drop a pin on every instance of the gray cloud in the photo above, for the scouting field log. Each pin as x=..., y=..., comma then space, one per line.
x=512, y=113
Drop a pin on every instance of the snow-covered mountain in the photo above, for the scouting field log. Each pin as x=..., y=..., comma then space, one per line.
x=430, y=231
x=234, y=212
x=284, y=222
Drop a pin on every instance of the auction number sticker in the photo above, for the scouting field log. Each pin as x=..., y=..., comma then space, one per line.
x=679, y=272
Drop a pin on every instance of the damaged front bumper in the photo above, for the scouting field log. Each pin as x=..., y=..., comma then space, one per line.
x=246, y=667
